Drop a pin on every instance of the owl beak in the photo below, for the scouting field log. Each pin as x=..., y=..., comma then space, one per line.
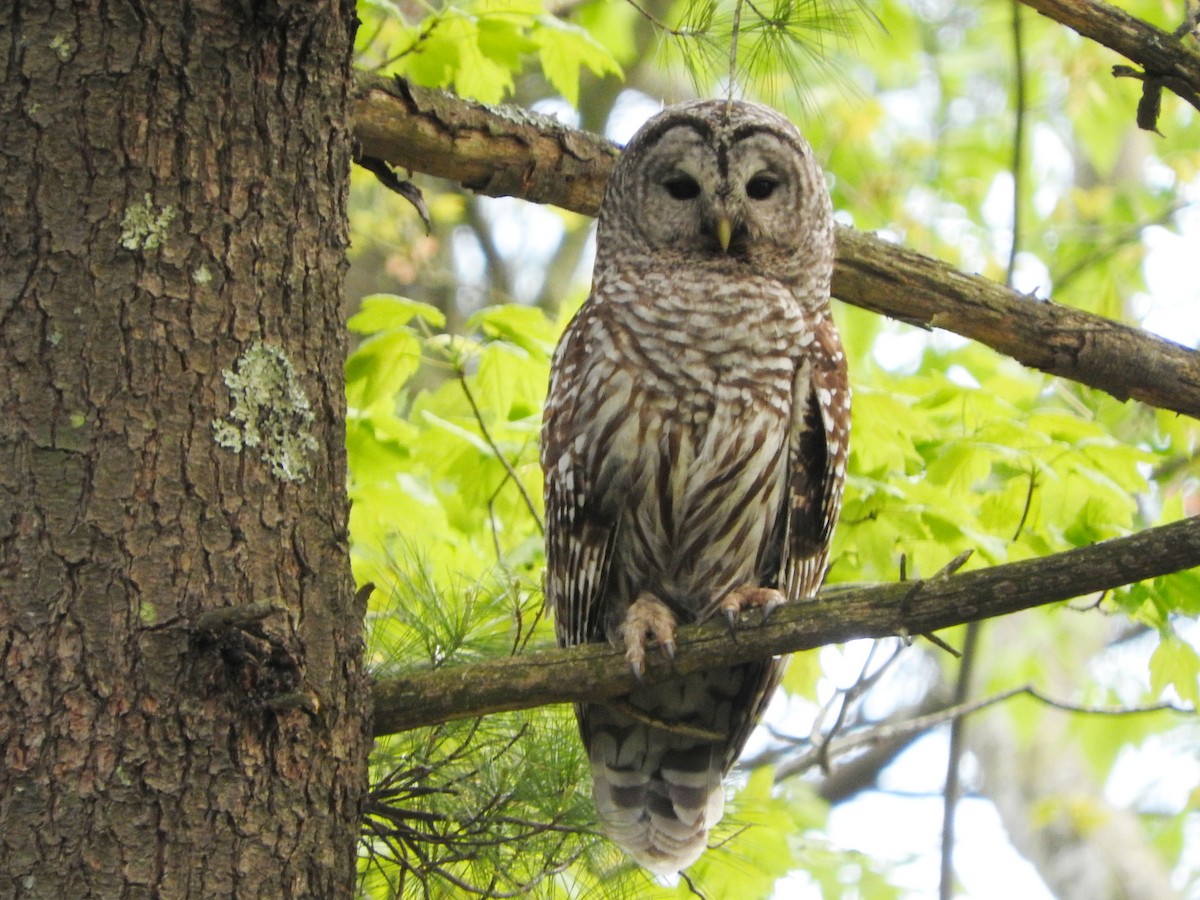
x=724, y=232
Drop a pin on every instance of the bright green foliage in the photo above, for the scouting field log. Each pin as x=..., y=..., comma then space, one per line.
x=432, y=469
x=1001, y=468
x=477, y=48
x=953, y=448
x=441, y=527
x=1175, y=664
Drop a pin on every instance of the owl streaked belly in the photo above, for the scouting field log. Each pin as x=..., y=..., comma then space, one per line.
x=699, y=496
x=694, y=468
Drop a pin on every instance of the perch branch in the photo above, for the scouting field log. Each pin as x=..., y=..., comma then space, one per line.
x=505, y=151
x=597, y=672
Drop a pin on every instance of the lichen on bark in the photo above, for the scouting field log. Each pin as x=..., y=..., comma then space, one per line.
x=269, y=412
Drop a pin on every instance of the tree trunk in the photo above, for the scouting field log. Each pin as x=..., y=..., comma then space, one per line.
x=172, y=247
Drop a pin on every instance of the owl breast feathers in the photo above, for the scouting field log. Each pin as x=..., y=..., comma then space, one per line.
x=694, y=447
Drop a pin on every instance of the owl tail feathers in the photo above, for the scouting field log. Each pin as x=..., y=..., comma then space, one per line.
x=656, y=801
x=660, y=835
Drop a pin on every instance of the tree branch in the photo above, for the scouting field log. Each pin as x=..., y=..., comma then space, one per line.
x=883, y=741
x=1161, y=54
x=1116, y=358
x=498, y=151
x=596, y=671
x=505, y=151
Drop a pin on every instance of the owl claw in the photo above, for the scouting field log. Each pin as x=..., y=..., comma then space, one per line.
x=648, y=621
x=747, y=597
x=731, y=617
x=773, y=603
x=668, y=649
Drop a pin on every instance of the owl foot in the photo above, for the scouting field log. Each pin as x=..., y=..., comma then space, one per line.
x=747, y=597
x=648, y=621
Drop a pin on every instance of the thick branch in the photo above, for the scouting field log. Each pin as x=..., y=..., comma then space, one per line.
x=1122, y=360
x=503, y=151
x=499, y=151
x=596, y=672
x=1158, y=52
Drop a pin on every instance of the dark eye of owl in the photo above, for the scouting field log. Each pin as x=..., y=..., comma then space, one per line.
x=760, y=187
x=682, y=187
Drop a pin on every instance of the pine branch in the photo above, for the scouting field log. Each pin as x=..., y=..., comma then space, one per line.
x=596, y=672
x=506, y=151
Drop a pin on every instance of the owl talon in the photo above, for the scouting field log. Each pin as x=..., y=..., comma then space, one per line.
x=772, y=604
x=648, y=621
x=747, y=597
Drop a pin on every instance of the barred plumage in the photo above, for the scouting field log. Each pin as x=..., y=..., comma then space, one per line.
x=694, y=447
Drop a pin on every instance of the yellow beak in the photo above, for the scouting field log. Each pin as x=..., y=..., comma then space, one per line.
x=724, y=233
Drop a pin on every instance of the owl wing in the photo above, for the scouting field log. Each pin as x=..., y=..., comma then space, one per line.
x=579, y=537
x=816, y=466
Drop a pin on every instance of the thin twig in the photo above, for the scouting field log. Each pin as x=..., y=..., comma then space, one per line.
x=1018, y=158
x=873, y=735
x=691, y=885
x=865, y=681
x=495, y=525
x=1190, y=23
x=658, y=23
x=1028, y=503
x=487, y=437
x=1151, y=105
x=733, y=48
x=1103, y=252
x=962, y=688
x=944, y=572
x=953, y=787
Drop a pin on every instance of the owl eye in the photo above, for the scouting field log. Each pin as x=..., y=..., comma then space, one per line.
x=760, y=187
x=682, y=187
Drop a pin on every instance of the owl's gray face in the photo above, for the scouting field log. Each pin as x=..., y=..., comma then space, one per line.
x=730, y=184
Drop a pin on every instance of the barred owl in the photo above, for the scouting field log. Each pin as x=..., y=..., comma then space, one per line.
x=694, y=448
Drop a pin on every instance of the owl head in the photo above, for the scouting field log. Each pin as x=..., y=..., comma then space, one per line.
x=725, y=184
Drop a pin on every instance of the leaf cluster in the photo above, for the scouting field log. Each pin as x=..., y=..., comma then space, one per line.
x=479, y=47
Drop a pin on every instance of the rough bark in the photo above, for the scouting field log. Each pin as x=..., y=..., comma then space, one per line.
x=172, y=247
x=595, y=672
x=500, y=151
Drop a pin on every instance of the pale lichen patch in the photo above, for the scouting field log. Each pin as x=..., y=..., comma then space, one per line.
x=269, y=412
x=63, y=47
x=144, y=227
